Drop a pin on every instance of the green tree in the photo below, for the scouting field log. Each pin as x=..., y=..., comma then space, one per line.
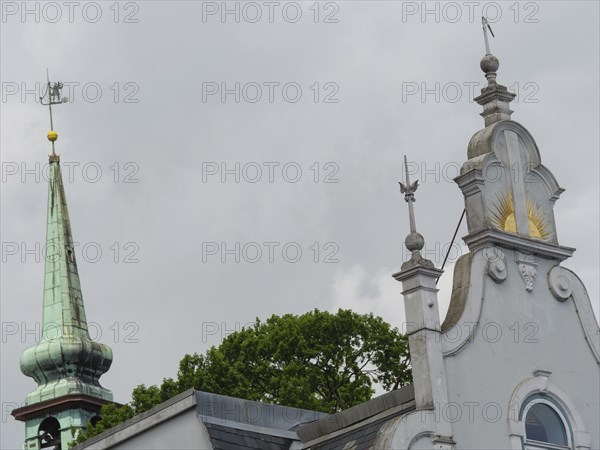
x=318, y=360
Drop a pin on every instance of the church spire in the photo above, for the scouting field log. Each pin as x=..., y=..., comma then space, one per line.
x=66, y=363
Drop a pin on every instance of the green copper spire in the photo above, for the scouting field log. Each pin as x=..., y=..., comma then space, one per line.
x=66, y=363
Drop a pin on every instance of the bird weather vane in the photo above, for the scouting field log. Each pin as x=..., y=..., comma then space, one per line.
x=408, y=190
x=486, y=27
x=52, y=95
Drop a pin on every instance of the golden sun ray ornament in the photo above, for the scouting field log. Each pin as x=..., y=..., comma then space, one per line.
x=504, y=217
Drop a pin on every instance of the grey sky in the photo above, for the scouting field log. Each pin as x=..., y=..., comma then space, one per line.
x=171, y=302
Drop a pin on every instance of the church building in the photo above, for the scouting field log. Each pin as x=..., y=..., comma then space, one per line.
x=473, y=387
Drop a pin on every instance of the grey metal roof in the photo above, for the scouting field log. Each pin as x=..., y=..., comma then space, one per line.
x=356, y=428
x=225, y=410
x=235, y=424
x=359, y=439
x=230, y=438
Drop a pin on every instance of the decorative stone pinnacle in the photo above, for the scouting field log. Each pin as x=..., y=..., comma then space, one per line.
x=494, y=97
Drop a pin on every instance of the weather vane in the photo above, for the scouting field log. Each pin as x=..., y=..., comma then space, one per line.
x=409, y=195
x=486, y=27
x=52, y=96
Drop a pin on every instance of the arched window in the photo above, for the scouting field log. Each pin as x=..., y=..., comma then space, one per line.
x=545, y=426
x=49, y=433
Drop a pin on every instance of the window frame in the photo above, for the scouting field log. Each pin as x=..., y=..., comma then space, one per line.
x=530, y=444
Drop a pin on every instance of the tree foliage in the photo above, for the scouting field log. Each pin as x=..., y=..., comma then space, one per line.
x=319, y=361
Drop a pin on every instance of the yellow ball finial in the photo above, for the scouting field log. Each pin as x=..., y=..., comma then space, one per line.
x=52, y=136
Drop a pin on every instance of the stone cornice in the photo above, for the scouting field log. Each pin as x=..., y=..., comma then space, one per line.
x=490, y=237
x=418, y=270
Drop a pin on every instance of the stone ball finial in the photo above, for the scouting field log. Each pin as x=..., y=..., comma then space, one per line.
x=489, y=63
x=414, y=241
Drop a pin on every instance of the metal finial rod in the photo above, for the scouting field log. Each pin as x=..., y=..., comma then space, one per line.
x=409, y=195
x=486, y=27
x=50, y=108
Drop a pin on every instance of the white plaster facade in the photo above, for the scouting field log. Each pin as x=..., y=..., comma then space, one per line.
x=520, y=330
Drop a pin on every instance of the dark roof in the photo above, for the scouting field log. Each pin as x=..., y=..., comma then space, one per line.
x=230, y=438
x=359, y=439
x=362, y=422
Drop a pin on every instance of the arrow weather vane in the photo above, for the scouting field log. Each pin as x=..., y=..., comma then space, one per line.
x=486, y=27
x=53, y=96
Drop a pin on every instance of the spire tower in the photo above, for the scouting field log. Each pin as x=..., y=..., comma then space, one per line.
x=66, y=364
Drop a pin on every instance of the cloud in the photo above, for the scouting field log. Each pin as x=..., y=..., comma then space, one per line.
x=377, y=292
